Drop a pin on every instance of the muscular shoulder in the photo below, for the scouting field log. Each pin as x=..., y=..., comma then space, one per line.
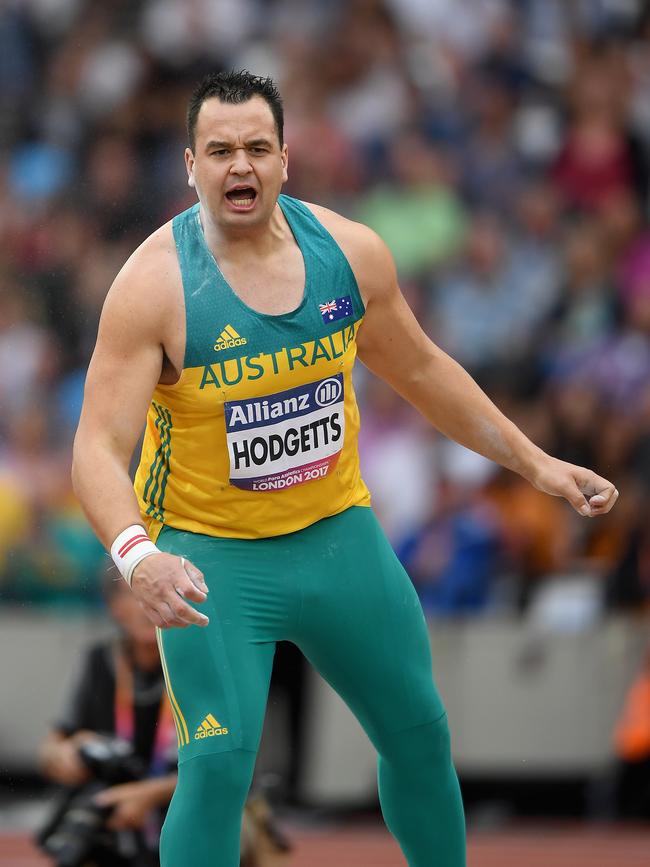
x=150, y=278
x=368, y=255
x=145, y=305
x=145, y=302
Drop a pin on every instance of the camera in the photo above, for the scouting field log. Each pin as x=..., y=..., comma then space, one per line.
x=76, y=834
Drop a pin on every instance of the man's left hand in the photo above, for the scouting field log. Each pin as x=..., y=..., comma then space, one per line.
x=589, y=494
x=131, y=802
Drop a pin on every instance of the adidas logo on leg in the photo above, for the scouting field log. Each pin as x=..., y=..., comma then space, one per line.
x=210, y=728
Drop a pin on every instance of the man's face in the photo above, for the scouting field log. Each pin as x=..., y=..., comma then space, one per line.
x=237, y=166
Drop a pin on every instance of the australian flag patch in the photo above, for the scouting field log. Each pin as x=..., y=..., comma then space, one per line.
x=336, y=309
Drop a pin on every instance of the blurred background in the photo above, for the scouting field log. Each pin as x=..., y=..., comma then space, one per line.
x=502, y=150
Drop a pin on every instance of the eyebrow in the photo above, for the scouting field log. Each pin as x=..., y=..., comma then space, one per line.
x=226, y=144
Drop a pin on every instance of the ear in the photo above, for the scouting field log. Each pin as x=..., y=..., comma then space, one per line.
x=284, y=156
x=189, y=165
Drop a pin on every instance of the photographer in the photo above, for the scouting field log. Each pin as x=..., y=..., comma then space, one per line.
x=124, y=791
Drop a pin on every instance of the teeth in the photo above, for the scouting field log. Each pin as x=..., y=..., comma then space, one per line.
x=244, y=198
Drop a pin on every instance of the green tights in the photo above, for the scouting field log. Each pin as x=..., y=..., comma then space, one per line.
x=338, y=592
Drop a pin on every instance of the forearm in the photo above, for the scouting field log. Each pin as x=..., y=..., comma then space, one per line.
x=447, y=396
x=102, y=484
x=48, y=754
x=59, y=758
x=391, y=343
x=160, y=789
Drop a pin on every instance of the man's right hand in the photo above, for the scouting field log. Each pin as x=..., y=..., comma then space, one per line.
x=161, y=583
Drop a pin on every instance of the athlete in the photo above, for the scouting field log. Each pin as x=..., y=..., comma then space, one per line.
x=234, y=329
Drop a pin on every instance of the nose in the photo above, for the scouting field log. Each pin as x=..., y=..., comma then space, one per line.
x=240, y=163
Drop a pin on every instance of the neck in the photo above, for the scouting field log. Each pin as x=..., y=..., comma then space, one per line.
x=230, y=242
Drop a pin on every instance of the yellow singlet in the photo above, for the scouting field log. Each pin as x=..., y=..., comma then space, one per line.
x=259, y=435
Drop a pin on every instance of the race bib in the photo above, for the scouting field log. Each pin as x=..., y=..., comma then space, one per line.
x=287, y=438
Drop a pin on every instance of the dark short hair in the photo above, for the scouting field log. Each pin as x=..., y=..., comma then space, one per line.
x=235, y=88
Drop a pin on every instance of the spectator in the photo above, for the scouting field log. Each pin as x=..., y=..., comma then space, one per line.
x=498, y=328
x=599, y=157
x=120, y=692
x=454, y=557
x=418, y=213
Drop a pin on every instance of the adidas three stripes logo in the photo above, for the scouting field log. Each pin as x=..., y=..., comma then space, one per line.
x=209, y=728
x=228, y=338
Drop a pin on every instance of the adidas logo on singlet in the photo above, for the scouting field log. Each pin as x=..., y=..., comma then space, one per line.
x=209, y=728
x=228, y=339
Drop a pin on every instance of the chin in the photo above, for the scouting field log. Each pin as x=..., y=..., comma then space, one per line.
x=252, y=219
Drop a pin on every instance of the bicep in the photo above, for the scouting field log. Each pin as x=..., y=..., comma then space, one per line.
x=391, y=342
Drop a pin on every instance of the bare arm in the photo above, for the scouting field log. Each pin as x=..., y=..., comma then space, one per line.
x=124, y=370
x=133, y=802
x=59, y=758
x=126, y=366
x=392, y=344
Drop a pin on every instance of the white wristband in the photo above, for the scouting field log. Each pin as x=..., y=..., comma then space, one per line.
x=130, y=548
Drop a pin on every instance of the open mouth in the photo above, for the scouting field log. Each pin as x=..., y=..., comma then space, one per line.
x=242, y=198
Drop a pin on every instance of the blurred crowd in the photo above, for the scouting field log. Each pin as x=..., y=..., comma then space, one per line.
x=500, y=148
